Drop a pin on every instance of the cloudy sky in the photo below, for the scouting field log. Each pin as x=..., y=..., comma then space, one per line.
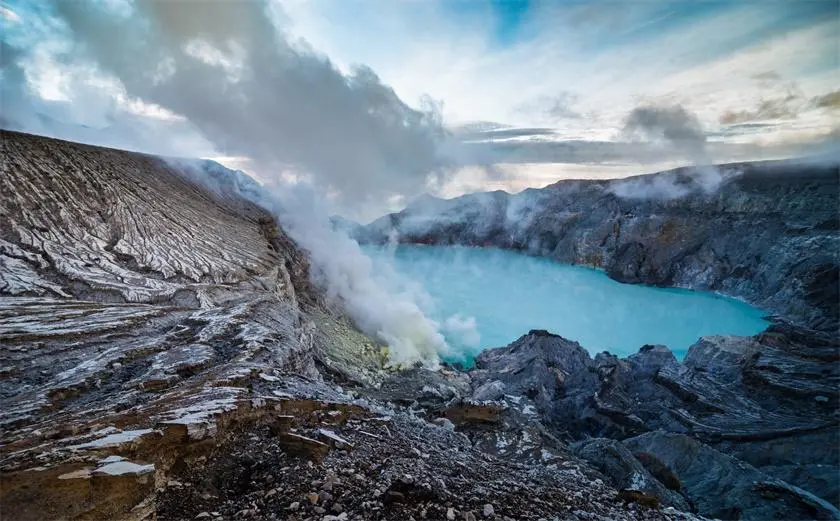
x=375, y=102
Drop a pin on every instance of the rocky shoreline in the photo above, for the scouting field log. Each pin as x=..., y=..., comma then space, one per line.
x=164, y=355
x=767, y=233
x=758, y=411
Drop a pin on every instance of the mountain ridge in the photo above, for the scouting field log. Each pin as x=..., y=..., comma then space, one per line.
x=766, y=232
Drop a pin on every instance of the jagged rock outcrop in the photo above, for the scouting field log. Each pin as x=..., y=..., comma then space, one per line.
x=724, y=487
x=164, y=355
x=764, y=411
x=764, y=232
x=745, y=428
x=615, y=460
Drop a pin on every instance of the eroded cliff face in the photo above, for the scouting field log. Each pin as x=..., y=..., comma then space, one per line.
x=164, y=355
x=764, y=232
x=138, y=305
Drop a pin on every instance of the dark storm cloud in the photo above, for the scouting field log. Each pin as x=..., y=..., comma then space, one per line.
x=672, y=124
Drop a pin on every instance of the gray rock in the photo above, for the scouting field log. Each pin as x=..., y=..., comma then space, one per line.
x=724, y=487
x=134, y=296
x=489, y=391
x=626, y=472
x=751, y=398
x=555, y=373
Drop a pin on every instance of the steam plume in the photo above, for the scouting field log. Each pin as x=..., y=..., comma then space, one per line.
x=227, y=69
x=678, y=128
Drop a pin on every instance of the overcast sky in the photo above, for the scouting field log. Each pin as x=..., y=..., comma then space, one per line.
x=375, y=102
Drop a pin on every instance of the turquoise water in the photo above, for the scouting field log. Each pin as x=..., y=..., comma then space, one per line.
x=488, y=298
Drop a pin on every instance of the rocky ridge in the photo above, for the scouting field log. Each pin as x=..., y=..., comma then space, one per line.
x=765, y=232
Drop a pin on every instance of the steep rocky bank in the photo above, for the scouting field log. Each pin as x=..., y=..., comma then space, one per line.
x=765, y=232
x=163, y=355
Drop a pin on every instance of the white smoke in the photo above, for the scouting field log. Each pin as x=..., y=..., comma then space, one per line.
x=702, y=179
x=463, y=330
x=382, y=303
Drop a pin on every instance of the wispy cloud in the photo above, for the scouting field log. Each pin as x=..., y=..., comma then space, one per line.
x=613, y=56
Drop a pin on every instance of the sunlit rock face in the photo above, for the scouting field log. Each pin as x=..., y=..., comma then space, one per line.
x=763, y=232
x=113, y=226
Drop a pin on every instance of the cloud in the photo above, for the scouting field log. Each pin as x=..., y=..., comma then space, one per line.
x=611, y=58
x=671, y=124
x=712, y=62
x=830, y=100
x=677, y=127
x=489, y=132
x=226, y=70
x=8, y=14
x=770, y=76
x=786, y=107
x=552, y=108
x=231, y=73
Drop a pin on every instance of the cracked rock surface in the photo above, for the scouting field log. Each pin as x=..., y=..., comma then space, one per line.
x=163, y=355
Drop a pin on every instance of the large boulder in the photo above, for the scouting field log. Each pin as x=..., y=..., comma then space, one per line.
x=724, y=487
x=629, y=474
